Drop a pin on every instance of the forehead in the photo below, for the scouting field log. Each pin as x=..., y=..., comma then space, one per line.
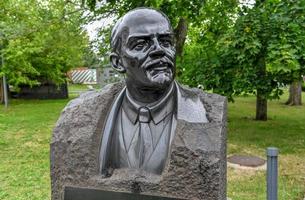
x=146, y=21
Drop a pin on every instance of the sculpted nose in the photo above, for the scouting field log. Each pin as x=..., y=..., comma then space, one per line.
x=157, y=50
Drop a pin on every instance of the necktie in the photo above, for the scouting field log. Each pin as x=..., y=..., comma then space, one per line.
x=145, y=137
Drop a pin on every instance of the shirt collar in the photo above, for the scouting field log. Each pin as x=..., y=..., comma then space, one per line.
x=158, y=110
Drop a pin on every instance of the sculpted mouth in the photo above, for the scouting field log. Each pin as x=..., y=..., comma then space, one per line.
x=159, y=69
x=159, y=65
x=163, y=66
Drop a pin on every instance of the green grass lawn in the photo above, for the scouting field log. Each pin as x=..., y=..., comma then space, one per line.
x=25, y=131
x=284, y=129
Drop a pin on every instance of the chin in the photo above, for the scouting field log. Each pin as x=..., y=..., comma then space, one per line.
x=161, y=81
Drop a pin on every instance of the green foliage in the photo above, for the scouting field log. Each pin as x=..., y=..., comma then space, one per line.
x=173, y=9
x=259, y=48
x=90, y=58
x=41, y=41
x=202, y=61
x=287, y=47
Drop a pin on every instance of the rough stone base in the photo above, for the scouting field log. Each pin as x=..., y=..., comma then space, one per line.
x=196, y=168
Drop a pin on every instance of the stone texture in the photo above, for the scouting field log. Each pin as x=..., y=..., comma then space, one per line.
x=196, y=167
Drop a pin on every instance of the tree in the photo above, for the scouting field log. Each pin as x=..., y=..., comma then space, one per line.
x=291, y=54
x=264, y=42
x=258, y=54
x=295, y=93
x=247, y=51
x=201, y=66
x=42, y=40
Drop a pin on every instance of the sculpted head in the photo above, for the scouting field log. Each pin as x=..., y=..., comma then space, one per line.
x=142, y=44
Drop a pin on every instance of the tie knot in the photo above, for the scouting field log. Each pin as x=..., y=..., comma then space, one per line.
x=144, y=115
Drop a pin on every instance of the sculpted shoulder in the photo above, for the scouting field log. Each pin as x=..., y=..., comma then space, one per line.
x=85, y=111
x=91, y=97
x=200, y=102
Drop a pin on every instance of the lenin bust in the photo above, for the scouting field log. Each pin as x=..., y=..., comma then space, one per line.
x=147, y=135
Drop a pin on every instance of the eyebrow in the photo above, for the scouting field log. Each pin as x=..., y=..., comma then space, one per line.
x=135, y=36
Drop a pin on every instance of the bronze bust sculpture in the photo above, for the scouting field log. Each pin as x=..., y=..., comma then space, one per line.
x=142, y=123
x=147, y=135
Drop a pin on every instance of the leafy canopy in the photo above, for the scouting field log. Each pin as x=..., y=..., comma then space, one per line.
x=261, y=49
x=40, y=40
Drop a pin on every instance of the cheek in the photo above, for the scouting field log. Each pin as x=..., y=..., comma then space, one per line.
x=171, y=52
x=134, y=58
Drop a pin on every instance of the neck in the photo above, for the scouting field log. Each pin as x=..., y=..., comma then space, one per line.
x=144, y=95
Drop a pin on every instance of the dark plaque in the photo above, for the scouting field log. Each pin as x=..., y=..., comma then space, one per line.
x=73, y=193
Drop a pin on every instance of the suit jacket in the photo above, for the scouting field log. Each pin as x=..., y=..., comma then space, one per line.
x=188, y=109
x=196, y=165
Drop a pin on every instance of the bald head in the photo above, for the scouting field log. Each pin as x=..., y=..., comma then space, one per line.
x=134, y=21
x=143, y=48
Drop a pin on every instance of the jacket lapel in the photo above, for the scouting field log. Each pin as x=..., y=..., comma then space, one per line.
x=107, y=131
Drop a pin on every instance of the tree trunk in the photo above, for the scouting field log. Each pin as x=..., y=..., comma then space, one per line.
x=295, y=94
x=261, y=95
x=261, y=106
x=1, y=92
x=180, y=35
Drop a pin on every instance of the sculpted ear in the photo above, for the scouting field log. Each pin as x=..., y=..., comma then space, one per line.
x=116, y=62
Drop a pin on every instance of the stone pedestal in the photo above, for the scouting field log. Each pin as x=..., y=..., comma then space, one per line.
x=196, y=167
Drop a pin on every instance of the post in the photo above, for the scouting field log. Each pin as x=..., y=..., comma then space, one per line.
x=4, y=83
x=272, y=173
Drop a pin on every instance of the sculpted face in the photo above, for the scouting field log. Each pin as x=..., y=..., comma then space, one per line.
x=147, y=52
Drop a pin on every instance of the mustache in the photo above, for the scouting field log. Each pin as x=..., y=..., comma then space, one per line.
x=158, y=62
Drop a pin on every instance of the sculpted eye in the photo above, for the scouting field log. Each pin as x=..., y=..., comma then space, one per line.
x=166, y=43
x=139, y=45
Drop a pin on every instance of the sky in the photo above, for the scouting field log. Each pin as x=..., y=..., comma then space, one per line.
x=93, y=27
